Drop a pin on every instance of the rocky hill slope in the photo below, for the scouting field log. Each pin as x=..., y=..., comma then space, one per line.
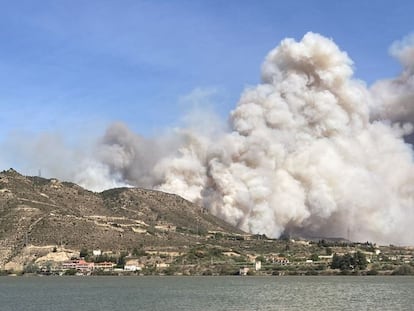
x=37, y=212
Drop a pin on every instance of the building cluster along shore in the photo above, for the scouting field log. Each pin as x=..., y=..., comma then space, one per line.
x=252, y=255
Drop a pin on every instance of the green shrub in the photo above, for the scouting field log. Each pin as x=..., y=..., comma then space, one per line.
x=171, y=270
x=70, y=272
x=83, y=253
x=31, y=267
x=372, y=272
x=403, y=270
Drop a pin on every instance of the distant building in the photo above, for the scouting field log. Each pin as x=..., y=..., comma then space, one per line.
x=80, y=265
x=325, y=257
x=162, y=265
x=258, y=265
x=132, y=265
x=281, y=260
x=243, y=271
x=97, y=252
x=84, y=266
x=105, y=266
x=69, y=265
x=132, y=268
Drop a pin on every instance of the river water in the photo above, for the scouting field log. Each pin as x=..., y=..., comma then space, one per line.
x=206, y=293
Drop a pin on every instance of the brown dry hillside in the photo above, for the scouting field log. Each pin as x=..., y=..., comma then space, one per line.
x=38, y=211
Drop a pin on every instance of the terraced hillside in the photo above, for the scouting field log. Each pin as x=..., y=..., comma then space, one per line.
x=37, y=212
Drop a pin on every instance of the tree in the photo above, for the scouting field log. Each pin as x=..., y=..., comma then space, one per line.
x=31, y=267
x=171, y=270
x=70, y=272
x=121, y=260
x=360, y=260
x=403, y=270
x=349, y=262
x=314, y=257
x=83, y=253
x=103, y=258
x=336, y=261
x=322, y=243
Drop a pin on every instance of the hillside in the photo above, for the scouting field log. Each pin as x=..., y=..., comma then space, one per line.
x=45, y=222
x=36, y=212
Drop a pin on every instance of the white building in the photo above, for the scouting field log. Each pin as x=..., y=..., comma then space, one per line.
x=132, y=268
x=244, y=271
x=97, y=252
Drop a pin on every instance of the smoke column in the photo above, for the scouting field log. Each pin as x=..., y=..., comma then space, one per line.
x=310, y=151
x=303, y=155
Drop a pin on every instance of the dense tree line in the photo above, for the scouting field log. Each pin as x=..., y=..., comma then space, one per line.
x=347, y=262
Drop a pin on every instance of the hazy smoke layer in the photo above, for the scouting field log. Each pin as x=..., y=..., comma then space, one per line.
x=310, y=150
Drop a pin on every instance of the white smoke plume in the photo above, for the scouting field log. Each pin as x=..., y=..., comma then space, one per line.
x=302, y=155
x=310, y=150
x=394, y=98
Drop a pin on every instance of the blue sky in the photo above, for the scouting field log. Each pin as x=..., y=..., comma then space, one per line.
x=73, y=66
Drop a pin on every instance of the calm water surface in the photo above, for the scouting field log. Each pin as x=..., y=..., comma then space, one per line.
x=205, y=293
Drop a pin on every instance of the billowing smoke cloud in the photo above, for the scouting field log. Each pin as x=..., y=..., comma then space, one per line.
x=394, y=98
x=303, y=155
x=310, y=151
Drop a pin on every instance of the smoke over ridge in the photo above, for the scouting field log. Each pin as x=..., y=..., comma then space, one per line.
x=309, y=150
